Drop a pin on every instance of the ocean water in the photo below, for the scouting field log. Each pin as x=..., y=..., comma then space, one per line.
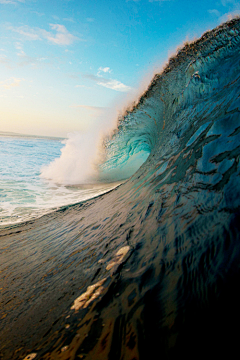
x=24, y=194
x=150, y=269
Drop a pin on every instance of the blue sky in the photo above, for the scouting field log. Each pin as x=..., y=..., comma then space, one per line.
x=63, y=62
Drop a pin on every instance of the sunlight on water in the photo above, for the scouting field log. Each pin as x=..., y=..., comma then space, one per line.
x=23, y=194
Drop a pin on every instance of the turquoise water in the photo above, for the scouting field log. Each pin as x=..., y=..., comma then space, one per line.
x=24, y=194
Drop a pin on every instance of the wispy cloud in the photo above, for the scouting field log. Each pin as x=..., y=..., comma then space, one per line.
x=37, y=13
x=10, y=83
x=214, y=12
x=27, y=32
x=230, y=15
x=159, y=0
x=11, y=1
x=25, y=60
x=233, y=9
x=60, y=36
x=227, y=2
x=108, y=83
x=4, y=60
x=55, y=17
x=104, y=70
x=69, y=19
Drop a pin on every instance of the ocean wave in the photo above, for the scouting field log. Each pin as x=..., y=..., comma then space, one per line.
x=189, y=91
x=150, y=267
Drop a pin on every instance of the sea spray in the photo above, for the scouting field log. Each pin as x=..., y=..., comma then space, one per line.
x=75, y=165
x=85, y=153
x=25, y=195
x=82, y=152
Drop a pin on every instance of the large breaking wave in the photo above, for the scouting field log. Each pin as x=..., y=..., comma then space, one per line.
x=198, y=85
x=175, y=99
x=151, y=267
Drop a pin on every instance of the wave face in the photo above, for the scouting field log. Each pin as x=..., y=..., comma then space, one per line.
x=152, y=266
x=191, y=91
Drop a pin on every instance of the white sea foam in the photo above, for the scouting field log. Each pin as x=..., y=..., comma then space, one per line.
x=75, y=165
x=80, y=154
x=23, y=194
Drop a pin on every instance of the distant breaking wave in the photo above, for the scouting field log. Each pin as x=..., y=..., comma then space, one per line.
x=150, y=269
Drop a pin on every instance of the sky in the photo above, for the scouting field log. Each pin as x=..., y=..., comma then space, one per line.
x=64, y=63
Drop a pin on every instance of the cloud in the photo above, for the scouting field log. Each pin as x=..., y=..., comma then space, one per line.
x=25, y=60
x=105, y=70
x=55, y=17
x=27, y=32
x=114, y=85
x=108, y=83
x=229, y=16
x=10, y=83
x=61, y=36
x=69, y=19
x=5, y=61
x=11, y=2
x=158, y=0
x=37, y=13
x=227, y=2
x=214, y=12
x=233, y=10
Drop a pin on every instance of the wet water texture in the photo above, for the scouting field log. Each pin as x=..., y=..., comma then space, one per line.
x=149, y=270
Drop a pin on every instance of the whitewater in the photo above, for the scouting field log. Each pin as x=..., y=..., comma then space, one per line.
x=151, y=268
x=24, y=193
